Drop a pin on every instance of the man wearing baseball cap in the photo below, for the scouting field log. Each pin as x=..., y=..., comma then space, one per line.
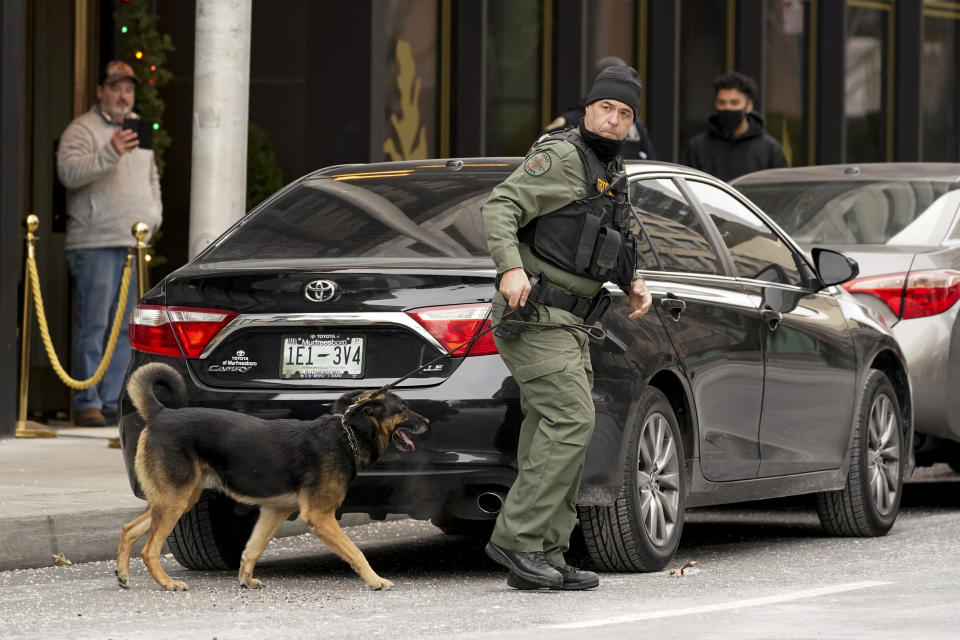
x=111, y=185
x=551, y=270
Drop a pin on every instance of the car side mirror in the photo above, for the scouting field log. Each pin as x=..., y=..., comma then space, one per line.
x=833, y=267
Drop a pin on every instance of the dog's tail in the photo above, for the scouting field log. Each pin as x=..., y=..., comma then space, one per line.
x=142, y=389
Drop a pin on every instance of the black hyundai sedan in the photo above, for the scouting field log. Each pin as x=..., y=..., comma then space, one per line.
x=753, y=376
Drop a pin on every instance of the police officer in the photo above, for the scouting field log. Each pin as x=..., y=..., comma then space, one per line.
x=557, y=230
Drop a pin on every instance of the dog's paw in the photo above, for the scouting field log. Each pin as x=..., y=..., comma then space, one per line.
x=175, y=585
x=382, y=585
x=121, y=580
x=252, y=583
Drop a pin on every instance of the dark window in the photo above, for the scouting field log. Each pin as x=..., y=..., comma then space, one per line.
x=407, y=214
x=786, y=99
x=866, y=96
x=703, y=43
x=758, y=253
x=856, y=211
x=514, y=50
x=679, y=242
x=940, y=98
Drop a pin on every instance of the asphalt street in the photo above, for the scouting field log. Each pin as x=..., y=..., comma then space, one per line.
x=763, y=570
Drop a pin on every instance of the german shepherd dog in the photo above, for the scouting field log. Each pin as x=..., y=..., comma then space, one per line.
x=282, y=466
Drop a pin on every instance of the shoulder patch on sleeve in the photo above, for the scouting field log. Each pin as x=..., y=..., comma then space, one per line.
x=537, y=163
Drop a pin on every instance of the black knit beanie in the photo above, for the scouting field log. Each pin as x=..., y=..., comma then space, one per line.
x=618, y=83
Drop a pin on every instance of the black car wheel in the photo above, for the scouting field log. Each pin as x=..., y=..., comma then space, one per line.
x=641, y=531
x=870, y=502
x=213, y=533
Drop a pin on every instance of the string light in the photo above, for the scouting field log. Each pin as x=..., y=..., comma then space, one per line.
x=123, y=29
x=138, y=55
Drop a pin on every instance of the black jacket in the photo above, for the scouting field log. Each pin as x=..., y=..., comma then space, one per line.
x=728, y=158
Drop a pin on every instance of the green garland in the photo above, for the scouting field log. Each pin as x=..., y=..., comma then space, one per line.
x=264, y=177
x=145, y=49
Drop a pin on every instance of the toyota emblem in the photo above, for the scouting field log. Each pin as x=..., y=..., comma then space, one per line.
x=320, y=291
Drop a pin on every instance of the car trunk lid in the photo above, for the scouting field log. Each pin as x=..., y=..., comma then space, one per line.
x=336, y=326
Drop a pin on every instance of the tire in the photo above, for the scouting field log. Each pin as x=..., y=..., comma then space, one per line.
x=213, y=533
x=641, y=531
x=953, y=456
x=954, y=464
x=869, y=503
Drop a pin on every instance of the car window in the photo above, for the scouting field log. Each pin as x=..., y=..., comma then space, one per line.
x=672, y=237
x=398, y=214
x=853, y=211
x=758, y=253
x=930, y=227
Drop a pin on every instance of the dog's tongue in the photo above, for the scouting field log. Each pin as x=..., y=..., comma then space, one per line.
x=406, y=440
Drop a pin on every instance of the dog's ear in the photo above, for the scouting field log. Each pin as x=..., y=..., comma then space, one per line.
x=344, y=401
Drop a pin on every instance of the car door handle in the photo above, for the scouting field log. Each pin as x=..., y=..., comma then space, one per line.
x=771, y=317
x=673, y=304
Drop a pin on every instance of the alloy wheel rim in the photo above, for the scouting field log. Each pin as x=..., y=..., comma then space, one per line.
x=883, y=455
x=658, y=480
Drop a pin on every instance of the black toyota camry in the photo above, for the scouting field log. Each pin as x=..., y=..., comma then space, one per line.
x=753, y=376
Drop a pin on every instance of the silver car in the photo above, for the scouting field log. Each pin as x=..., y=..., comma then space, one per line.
x=901, y=223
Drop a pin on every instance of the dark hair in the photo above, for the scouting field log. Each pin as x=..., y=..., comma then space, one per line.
x=736, y=80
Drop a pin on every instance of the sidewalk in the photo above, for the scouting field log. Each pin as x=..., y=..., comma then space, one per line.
x=70, y=495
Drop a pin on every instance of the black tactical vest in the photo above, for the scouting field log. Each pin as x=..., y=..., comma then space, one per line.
x=589, y=237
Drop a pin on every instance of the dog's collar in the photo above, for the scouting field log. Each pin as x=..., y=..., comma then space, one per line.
x=351, y=439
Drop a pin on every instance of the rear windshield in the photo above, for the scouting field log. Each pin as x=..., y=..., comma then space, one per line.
x=857, y=212
x=397, y=214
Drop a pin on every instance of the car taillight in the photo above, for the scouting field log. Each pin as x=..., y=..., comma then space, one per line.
x=455, y=326
x=178, y=332
x=915, y=295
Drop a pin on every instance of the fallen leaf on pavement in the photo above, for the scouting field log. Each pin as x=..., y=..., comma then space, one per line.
x=678, y=573
x=61, y=560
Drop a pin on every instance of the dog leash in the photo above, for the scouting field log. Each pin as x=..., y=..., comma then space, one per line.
x=593, y=332
x=596, y=333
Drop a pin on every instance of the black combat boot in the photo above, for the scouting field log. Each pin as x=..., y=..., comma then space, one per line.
x=530, y=566
x=573, y=580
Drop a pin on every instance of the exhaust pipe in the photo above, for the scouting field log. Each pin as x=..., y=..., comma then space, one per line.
x=490, y=502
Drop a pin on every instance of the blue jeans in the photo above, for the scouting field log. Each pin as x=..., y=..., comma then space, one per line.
x=96, y=274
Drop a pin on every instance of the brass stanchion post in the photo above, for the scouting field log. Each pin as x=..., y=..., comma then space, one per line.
x=140, y=231
x=23, y=431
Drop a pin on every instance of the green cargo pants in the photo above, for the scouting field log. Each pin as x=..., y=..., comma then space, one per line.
x=552, y=369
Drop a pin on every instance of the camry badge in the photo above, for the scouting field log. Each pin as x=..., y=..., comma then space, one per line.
x=320, y=291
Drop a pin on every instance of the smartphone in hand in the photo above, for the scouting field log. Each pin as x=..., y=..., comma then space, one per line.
x=144, y=129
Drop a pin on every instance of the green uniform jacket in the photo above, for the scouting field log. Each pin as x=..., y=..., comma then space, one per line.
x=552, y=176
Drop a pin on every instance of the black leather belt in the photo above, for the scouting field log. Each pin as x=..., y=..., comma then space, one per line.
x=559, y=299
x=577, y=305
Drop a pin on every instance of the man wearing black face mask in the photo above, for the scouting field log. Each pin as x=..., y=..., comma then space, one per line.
x=735, y=142
x=557, y=229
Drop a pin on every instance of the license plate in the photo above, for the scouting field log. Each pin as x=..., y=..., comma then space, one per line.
x=322, y=356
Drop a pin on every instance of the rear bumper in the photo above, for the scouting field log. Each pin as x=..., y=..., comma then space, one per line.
x=931, y=347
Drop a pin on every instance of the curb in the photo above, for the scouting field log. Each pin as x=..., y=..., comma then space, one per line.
x=31, y=543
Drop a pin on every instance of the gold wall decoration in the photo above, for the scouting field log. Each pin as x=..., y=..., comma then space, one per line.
x=785, y=142
x=409, y=141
